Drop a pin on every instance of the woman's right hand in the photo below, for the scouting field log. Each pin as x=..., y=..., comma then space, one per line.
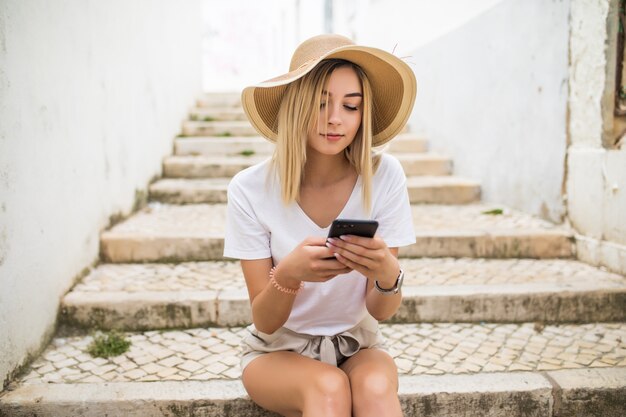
x=309, y=261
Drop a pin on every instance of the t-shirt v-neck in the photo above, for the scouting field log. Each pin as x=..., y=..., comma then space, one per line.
x=346, y=206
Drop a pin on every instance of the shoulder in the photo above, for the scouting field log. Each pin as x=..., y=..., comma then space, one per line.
x=251, y=179
x=389, y=168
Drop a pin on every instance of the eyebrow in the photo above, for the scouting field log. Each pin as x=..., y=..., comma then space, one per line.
x=347, y=95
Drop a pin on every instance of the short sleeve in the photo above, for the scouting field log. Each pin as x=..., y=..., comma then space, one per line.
x=392, y=208
x=246, y=237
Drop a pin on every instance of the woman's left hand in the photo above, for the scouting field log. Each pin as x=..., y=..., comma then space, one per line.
x=370, y=256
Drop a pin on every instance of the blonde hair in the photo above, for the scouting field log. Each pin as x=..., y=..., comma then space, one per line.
x=298, y=115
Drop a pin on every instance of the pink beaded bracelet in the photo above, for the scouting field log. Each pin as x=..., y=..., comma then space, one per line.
x=292, y=291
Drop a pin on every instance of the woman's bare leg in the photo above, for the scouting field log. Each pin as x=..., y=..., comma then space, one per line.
x=374, y=383
x=293, y=385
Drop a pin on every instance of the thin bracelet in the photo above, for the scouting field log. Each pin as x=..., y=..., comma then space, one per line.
x=292, y=291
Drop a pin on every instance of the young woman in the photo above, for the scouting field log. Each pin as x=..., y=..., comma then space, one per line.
x=314, y=348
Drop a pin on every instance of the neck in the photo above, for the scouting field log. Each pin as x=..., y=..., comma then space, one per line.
x=323, y=170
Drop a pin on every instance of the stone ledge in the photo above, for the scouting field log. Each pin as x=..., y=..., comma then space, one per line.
x=421, y=189
x=201, y=166
x=194, y=232
x=494, y=394
x=516, y=303
x=234, y=145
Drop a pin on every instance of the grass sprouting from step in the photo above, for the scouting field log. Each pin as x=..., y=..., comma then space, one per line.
x=494, y=212
x=247, y=152
x=108, y=344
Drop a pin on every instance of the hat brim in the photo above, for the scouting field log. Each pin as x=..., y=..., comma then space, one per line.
x=393, y=89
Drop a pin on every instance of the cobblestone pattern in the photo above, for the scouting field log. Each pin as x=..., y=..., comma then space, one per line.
x=471, y=217
x=439, y=271
x=203, y=354
x=176, y=220
x=203, y=219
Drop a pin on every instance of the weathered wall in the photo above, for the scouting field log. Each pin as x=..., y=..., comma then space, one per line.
x=246, y=42
x=91, y=95
x=492, y=94
x=596, y=184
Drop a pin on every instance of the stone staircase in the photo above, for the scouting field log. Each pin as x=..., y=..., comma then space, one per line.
x=498, y=317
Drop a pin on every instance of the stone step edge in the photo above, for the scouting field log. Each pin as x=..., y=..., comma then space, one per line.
x=501, y=303
x=125, y=247
x=427, y=189
x=511, y=394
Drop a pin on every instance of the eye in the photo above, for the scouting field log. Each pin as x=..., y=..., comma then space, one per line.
x=351, y=108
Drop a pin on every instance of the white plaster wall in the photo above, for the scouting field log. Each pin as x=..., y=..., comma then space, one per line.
x=403, y=25
x=596, y=184
x=246, y=42
x=92, y=94
x=492, y=94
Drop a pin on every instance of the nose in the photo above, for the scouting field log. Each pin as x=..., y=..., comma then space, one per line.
x=334, y=115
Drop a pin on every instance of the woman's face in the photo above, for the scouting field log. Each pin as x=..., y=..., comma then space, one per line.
x=340, y=113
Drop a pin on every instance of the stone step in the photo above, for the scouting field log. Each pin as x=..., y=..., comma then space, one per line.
x=213, y=100
x=224, y=128
x=423, y=189
x=207, y=166
x=257, y=145
x=198, y=294
x=227, y=166
x=203, y=114
x=445, y=369
x=218, y=128
x=430, y=189
x=408, y=143
x=226, y=146
x=195, y=232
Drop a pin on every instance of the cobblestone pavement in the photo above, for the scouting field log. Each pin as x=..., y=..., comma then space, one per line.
x=203, y=219
x=428, y=217
x=213, y=353
x=436, y=271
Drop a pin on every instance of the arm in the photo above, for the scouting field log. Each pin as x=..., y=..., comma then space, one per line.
x=377, y=262
x=270, y=306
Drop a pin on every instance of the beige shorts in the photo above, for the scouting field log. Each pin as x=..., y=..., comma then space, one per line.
x=333, y=350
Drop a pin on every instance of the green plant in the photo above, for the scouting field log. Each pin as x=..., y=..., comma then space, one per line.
x=108, y=344
x=225, y=134
x=494, y=212
x=209, y=119
x=247, y=152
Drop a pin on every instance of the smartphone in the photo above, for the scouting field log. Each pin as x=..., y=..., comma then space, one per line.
x=365, y=228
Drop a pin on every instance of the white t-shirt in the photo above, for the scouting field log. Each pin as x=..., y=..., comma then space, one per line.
x=260, y=226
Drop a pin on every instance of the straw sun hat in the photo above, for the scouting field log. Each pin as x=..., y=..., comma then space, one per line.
x=393, y=86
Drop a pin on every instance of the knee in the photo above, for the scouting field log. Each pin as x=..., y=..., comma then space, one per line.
x=331, y=386
x=373, y=386
x=375, y=394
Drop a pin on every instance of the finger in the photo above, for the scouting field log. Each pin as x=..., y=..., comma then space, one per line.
x=359, y=250
x=322, y=252
x=366, y=242
x=362, y=261
x=331, y=264
x=366, y=257
x=328, y=276
x=352, y=265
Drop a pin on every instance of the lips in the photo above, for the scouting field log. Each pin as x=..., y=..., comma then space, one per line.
x=333, y=136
